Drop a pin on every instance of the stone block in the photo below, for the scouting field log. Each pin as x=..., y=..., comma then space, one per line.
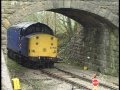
x=94, y=67
x=78, y=4
x=5, y=51
x=111, y=71
x=103, y=63
x=9, y=11
x=55, y=4
x=110, y=17
x=116, y=53
x=4, y=46
x=6, y=23
x=7, y=5
x=4, y=37
x=116, y=20
x=96, y=62
x=96, y=10
x=101, y=69
x=4, y=31
x=103, y=12
x=67, y=3
x=90, y=7
x=4, y=42
x=49, y=5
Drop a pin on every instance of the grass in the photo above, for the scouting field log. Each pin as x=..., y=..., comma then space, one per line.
x=14, y=65
x=35, y=84
x=14, y=68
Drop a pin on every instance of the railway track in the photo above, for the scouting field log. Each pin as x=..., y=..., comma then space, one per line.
x=75, y=80
x=64, y=79
x=88, y=80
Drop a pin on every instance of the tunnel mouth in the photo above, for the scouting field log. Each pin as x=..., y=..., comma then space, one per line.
x=85, y=18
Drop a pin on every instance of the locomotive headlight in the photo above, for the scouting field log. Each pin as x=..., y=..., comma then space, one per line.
x=39, y=57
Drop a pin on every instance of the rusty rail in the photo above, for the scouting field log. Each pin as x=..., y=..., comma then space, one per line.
x=64, y=79
x=86, y=79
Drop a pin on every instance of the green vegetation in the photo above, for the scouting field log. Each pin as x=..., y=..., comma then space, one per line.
x=15, y=68
x=31, y=84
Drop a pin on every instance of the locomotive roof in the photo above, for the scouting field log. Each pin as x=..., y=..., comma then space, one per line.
x=25, y=25
x=27, y=28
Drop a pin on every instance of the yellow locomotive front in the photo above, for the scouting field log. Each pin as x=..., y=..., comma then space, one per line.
x=42, y=46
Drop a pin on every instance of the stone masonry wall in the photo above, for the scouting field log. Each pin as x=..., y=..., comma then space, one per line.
x=100, y=44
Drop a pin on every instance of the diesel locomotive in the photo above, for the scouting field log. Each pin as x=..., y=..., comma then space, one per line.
x=32, y=43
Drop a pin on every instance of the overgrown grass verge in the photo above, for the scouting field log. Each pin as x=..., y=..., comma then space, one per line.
x=14, y=66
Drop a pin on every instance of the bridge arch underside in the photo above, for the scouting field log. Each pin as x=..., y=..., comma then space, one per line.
x=85, y=18
x=99, y=40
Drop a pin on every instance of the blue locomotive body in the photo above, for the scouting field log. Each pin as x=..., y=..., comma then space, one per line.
x=13, y=39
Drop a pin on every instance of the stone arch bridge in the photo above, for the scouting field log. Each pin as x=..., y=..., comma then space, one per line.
x=96, y=16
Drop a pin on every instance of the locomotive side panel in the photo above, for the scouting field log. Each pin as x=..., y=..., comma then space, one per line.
x=13, y=39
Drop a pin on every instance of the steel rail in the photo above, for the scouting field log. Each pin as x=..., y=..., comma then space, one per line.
x=86, y=79
x=64, y=79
